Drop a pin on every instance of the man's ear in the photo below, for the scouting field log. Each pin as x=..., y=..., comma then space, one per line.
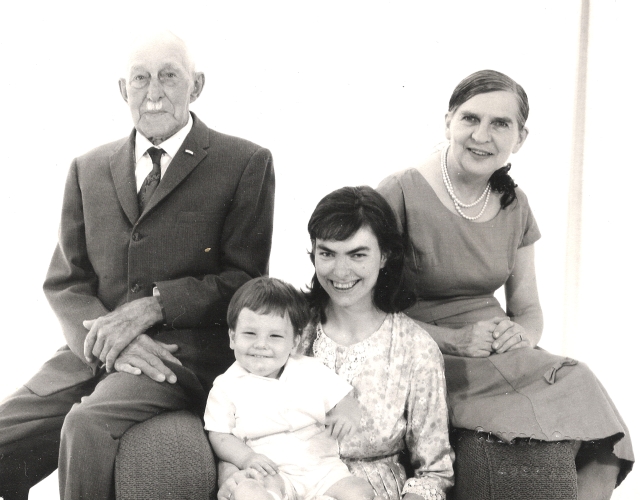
x=123, y=89
x=197, y=86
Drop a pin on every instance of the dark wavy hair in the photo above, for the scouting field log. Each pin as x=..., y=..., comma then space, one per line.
x=483, y=82
x=338, y=216
x=266, y=295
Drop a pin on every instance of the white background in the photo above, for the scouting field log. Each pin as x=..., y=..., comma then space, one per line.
x=343, y=93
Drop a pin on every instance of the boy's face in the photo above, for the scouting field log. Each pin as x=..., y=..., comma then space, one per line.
x=263, y=342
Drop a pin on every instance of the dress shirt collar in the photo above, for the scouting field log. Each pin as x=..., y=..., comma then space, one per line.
x=170, y=145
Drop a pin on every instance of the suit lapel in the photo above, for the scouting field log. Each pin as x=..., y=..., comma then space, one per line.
x=122, y=168
x=190, y=154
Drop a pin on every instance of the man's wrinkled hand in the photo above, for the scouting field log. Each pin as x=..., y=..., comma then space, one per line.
x=109, y=334
x=145, y=355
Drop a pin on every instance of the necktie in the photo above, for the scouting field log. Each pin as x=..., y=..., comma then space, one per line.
x=152, y=180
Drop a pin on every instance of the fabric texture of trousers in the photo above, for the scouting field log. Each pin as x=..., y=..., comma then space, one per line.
x=78, y=431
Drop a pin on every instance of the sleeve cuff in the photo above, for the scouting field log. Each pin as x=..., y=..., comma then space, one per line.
x=157, y=295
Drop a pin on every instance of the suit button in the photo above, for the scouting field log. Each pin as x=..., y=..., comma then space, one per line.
x=135, y=288
x=136, y=236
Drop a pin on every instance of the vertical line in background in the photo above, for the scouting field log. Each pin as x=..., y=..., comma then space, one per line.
x=575, y=189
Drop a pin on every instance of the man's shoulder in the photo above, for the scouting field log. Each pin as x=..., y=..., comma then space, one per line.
x=104, y=151
x=232, y=144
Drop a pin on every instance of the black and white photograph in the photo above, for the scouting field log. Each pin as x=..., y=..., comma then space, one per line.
x=321, y=250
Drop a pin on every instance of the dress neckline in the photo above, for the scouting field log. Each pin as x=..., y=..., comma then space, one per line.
x=438, y=201
x=385, y=321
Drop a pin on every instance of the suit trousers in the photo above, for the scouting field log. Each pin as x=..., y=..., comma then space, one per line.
x=78, y=429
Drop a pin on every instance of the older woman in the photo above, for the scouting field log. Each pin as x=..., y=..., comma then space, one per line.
x=470, y=231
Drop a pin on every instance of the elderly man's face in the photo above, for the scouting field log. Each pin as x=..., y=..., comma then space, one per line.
x=159, y=89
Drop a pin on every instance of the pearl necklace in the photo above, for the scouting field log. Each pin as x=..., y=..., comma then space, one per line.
x=450, y=189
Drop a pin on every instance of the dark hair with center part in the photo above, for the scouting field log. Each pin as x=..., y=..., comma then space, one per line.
x=337, y=217
x=270, y=296
x=483, y=82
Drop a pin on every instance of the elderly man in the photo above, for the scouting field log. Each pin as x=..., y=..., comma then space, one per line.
x=157, y=232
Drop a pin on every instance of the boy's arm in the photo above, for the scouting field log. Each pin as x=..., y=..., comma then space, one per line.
x=344, y=418
x=232, y=449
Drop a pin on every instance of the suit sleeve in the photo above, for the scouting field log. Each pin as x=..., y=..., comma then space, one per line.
x=71, y=283
x=245, y=247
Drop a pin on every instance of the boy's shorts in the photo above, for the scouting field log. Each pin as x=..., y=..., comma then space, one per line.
x=305, y=483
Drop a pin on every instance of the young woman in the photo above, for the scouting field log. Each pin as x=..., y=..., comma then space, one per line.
x=357, y=293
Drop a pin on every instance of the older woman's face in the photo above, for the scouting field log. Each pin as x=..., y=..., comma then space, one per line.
x=348, y=270
x=483, y=132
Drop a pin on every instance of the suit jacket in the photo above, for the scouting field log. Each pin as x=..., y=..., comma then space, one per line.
x=206, y=230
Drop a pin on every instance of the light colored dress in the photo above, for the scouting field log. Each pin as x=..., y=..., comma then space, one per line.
x=399, y=381
x=458, y=265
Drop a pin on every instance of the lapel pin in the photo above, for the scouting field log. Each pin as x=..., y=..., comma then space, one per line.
x=189, y=152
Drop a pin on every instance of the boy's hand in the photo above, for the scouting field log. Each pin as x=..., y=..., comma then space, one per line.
x=260, y=463
x=344, y=418
x=228, y=487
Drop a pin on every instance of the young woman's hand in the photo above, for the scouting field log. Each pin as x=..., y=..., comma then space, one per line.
x=344, y=418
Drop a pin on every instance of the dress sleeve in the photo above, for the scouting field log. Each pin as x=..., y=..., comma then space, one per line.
x=427, y=435
x=531, y=231
x=220, y=410
x=391, y=189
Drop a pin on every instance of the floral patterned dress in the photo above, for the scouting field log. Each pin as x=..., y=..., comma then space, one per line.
x=399, y=381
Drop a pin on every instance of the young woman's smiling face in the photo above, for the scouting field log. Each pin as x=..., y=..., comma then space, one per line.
x=348, y=269
x=483, y=132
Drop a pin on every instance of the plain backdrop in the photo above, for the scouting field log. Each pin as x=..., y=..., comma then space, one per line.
x=342, y=93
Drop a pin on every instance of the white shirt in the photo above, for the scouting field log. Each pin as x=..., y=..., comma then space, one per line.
x=250, y=406
x=170, y=146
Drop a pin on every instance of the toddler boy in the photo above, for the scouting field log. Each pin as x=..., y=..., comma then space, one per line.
x=268, y=411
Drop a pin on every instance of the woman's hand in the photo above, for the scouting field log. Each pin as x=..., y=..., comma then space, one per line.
x=473, y=340
x=508, y=336
x=228, y=487
x=343, y=418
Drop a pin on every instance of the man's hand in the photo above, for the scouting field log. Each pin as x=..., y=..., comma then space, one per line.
x=108, y=335
x=344, y=418
x=144, y=355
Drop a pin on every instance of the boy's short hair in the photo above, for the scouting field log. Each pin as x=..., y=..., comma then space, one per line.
x=266, y=295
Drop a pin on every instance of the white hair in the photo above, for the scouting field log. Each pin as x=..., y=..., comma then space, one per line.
x=163, y=37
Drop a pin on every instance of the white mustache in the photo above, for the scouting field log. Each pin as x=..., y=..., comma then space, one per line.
x=153, y=106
